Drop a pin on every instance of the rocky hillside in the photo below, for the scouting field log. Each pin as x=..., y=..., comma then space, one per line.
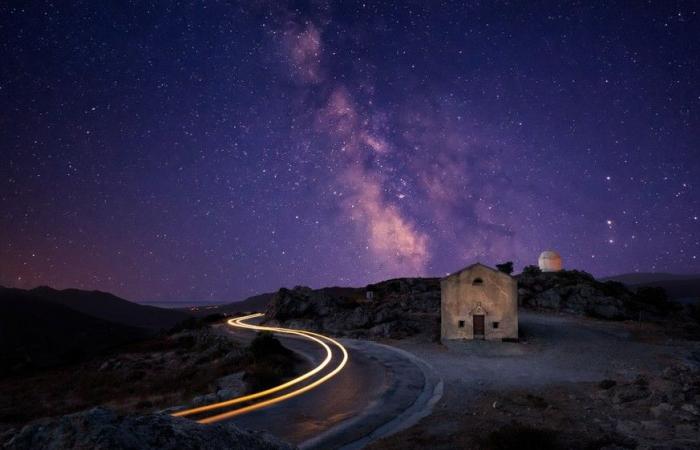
x=398, y=308
x=147, y=376
x=411, y=306
x=45, y=327
x=36, y=334
x=101, y=428
x=577, y=292
x=106, y=306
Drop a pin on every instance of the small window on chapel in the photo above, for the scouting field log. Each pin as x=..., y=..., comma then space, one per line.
x=477, y=282
x=460, y=324
x=495, y=324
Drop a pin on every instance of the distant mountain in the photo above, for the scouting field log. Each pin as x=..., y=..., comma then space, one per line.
x=256, y=303
x=677, y=286
x=649, y=277
x=36, y=333
x=109, y=307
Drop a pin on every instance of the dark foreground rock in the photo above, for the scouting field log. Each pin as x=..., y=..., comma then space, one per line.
x=652, y=411
x=101, y=428
x=394, y=309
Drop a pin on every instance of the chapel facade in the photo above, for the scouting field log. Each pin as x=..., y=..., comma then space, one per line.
x=479, y=302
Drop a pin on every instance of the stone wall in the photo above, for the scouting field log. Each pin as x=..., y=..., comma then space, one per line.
x=496, y=297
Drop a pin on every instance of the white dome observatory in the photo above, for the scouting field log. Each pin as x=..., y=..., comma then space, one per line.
x=550, y=261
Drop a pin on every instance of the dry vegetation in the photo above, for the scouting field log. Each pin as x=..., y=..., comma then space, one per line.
x=155, y=374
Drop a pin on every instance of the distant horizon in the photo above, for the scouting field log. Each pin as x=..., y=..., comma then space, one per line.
x=214, y=301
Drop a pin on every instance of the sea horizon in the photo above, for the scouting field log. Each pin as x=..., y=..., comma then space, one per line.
x=175, y=304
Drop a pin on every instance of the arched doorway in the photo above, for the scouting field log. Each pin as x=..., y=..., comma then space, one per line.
x=479, y=328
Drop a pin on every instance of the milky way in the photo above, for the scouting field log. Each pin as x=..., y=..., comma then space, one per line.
x=217, y=150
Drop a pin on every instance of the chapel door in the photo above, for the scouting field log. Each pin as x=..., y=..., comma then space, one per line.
x=478, y=326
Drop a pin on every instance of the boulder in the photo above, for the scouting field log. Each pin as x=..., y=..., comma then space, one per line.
x=606, y=310
x=398, y=308
x=692, y=409
x=574, y=292
x=661, y=410
x=550, y=299
x=630, y=393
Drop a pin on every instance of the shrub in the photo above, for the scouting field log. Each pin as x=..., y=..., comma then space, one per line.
x=652, y=298
x=607, y=384
x=187, y=324
x=694, y=312
x=193, y=323
x=614, y=289
x=531, y=271
x=265, y=345
x=521, y=437
x=269, y=362
x=213, y=318
x=506, y=267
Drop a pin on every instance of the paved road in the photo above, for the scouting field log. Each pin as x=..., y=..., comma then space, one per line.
x=379, y=391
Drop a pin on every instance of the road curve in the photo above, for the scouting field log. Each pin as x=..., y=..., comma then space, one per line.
x=240, y=322
x=380, y=391
x=361, y=392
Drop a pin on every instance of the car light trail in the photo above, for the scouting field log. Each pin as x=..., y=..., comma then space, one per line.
x=239, y=322
x=281, y=398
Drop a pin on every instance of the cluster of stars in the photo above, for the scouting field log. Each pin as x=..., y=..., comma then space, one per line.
x=215, y=153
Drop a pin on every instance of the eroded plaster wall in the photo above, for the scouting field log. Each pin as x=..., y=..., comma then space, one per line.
x=496, y=298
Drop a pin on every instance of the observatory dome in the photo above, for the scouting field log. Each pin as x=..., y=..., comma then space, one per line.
x=550, y=261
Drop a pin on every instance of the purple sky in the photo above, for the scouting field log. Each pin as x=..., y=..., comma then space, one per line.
x=213, y=152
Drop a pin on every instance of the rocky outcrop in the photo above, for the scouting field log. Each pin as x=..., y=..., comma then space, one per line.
x=574, y=292
x=577, y=292
x=653, y=409
x=100, y=428
x=406, y=307
x=397, y=308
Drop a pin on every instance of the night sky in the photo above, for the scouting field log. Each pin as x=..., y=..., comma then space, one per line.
x=215, y=150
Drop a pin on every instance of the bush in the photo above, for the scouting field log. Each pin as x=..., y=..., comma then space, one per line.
x=265, y=345
x=694, y=312
x=506, y=267
x=187, y=324
x=193, y=323
x=213, y=318
x=607, y=384
x=614, y=289
x=269, y=362
x=649, y=298
x=531, y=271
x=521, y=437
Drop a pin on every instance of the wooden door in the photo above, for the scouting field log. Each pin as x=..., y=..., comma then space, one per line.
x=478, y=326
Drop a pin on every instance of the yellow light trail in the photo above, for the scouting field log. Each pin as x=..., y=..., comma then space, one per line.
x=238, y=322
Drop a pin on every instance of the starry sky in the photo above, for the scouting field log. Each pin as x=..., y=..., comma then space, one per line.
x=214, y=150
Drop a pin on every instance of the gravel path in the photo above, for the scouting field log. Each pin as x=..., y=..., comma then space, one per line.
x=550, y=380
x=554, y=349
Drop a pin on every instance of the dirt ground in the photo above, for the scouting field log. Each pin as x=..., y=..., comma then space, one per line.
x=570, y=383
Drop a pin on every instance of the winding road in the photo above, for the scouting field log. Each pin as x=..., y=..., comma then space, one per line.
x=353, y=393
